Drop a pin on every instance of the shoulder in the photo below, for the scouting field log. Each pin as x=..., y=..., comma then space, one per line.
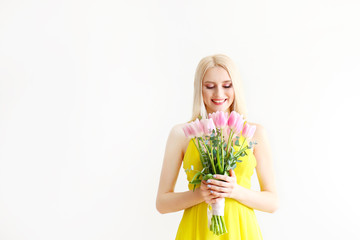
x=260, y=135
x=177, y=136
x=178, y=129
x=177, y=132
x=260, y=129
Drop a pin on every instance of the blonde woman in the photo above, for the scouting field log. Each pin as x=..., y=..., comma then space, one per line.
x=217, y=87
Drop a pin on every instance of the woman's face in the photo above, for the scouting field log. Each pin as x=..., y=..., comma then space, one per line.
x=217, y=90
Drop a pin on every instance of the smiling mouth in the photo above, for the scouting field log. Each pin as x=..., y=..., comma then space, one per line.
x=218, y=102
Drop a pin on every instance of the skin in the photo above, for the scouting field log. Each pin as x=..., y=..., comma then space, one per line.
x=216, y=86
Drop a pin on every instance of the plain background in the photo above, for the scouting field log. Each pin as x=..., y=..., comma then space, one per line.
x=89, y=91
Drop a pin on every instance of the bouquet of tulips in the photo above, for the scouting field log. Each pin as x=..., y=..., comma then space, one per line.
x=218, y=156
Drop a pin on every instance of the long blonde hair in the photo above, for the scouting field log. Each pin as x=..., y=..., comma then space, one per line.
x=217, y=60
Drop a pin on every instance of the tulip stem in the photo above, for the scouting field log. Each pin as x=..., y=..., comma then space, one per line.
x=229, y=142
x=211, y=157
x=200, y=153
x=222, y=153
x=219, y=162
x=242, y=143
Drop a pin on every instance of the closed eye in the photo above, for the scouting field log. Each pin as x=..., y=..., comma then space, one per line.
x=228, y=86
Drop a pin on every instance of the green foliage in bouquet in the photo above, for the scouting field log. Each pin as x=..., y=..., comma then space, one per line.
x=218, y=161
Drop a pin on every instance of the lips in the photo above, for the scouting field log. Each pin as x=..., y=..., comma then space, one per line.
x=218, y=101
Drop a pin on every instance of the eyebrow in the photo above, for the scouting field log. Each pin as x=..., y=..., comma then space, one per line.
x=214, y=82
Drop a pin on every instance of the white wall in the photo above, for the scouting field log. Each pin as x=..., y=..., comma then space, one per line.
x=80, y=160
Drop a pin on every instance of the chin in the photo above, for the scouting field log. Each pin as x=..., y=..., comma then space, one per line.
x=220, y=109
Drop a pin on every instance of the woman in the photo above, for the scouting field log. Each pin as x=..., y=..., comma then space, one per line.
x=218, y=88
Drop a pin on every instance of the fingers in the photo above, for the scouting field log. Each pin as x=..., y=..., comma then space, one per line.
x=205, y=192
x=222, y=177
x=216, y=185
x=220, y=187
x=208, y=193
x=223, y=186
x=215, y=188
x=203, y=184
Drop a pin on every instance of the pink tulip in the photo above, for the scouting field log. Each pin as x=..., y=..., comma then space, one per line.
x=220, y=118
x=235, y=122
x=208, y=125
x=189, y=132
x=245, y=129
x=212, y=116
x=232, y=119
x=198, y=128
x=239, y=125
x=250, y=132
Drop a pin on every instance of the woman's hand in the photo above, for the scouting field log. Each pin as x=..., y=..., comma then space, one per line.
x=222, y=189
x=206, y=195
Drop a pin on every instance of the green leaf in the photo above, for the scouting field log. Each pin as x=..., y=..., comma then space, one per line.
x=195, y=176
x=207, y=176
x=197, y=181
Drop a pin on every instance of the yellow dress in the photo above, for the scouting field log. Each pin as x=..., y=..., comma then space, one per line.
x=240, y=220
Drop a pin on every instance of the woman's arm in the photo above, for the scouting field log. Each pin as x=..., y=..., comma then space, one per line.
x=265, y=200
x=167, y=200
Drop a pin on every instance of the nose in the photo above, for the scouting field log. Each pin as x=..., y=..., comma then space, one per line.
x=219, y=92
